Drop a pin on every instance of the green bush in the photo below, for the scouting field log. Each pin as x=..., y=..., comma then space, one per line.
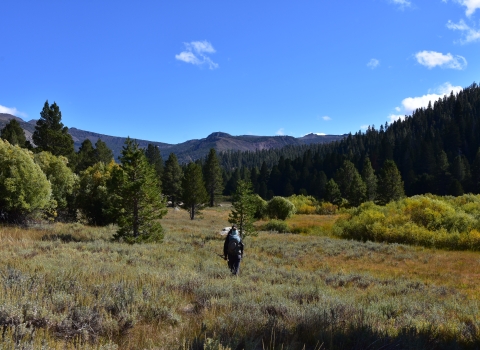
x=23, y=186
x=276, y=226
x=280, y=208
x=430, y=221
x=304, y=204
x=326, y=208
x=261, y=207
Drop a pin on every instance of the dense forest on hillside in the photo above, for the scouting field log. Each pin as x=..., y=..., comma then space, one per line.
x=435, y=149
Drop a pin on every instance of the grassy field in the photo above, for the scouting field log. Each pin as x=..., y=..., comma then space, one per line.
x=67, y=286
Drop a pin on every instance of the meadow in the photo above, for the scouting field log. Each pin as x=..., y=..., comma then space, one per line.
x=67, y=286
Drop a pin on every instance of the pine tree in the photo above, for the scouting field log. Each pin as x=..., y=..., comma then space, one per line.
x=138, y=201
x=102, y=152
x=213, y=176
x=172, y=179
x=390, y=184
x=194, y=194
x=368, y=176
x=332, y=192
x=476, y=173
x=154, y=157
x=50, y=135
x=85, y=156
x=14, y=134
x=244, y=208
x=351, y=184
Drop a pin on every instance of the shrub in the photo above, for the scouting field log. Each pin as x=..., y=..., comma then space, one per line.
x=280, y=208
x=276, y=226
x=304, y=204
x=326, y=208
x=261, y=207
x=23, y=186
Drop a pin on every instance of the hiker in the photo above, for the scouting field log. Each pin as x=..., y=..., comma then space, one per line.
x=233, y=250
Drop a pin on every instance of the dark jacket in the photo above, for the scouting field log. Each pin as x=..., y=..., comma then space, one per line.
x=229, y=237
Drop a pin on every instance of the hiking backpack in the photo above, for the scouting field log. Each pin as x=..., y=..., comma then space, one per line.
x=234, y=247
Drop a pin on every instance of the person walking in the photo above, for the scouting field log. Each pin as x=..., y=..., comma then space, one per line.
x=233, y=250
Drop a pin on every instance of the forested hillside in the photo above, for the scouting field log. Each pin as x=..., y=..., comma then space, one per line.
x=435, y=149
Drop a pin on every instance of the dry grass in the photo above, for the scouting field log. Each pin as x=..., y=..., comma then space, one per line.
x=68, y=286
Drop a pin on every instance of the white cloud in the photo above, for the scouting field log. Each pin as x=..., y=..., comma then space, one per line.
x=402, y=3
x=326, y=118
x=471, y=6
x=12, y=111
x=373, y=63
x=364, y=127
x=469, y=34
x=280, y=132
x=196, y=53
x=394, y=117
x=397, y=109
x=431, y=59
x=410, y=104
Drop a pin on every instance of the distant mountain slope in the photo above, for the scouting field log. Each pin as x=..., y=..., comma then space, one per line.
x=189, y=150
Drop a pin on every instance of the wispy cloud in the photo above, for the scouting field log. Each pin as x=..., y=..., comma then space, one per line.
x=402, y=3
x=364, y=127
x=471, y=6
x=280, y=132
x=196, y=52
x=326, y=118
x=432, y=59
x=394, y=117
x=469, y=34
x=373, y=63
x=12, y=111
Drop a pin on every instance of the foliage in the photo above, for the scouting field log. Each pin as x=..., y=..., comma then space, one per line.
x=370, y=179
x=332, y=192
x=154, y=158
x=351, y=185
x=260, y=207
x=137, y=198
x=61, y=178
x=14, y=134
x=23, y=186
x=194, y=194
x=172, y=179
x=279, y=226
x=430, y=221
x=280, y=208
x=244, y=208
x=326, y=208
x=213, y=176
x=50, y=134
x=390, y=184
x=94, y=197
x=304, y=204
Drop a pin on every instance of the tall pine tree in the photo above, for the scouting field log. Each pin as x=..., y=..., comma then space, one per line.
x=213, y=176
x=172, y=179
x=138, y=201
x=194, y=194
x=51, y=135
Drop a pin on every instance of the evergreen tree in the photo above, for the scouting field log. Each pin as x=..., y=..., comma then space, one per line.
x=86, y=156
x=244, y=208
x=332, y=192
x=194, y=194
x=102, y=152
x=138, y=201
x=213, y=176
x=172, y=179
x=390, y=184
x=154, y=157
x=14, y=134
x=368, y=176
x=50, y=135
x=351, y=184
x=476, y=173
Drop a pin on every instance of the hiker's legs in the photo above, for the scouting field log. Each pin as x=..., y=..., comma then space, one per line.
x=234, y=260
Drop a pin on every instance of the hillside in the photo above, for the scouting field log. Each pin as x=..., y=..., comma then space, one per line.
x=188, y=150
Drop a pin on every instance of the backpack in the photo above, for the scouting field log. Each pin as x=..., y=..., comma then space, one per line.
x=234, y=247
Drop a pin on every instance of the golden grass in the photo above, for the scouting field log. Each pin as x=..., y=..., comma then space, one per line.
x=180, y=292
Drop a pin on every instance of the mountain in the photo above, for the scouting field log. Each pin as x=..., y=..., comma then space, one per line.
x=188, y=150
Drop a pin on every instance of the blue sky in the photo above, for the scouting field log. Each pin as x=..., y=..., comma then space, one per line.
x=171, y=71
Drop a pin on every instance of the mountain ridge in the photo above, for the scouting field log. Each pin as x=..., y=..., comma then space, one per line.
x=189, y=150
